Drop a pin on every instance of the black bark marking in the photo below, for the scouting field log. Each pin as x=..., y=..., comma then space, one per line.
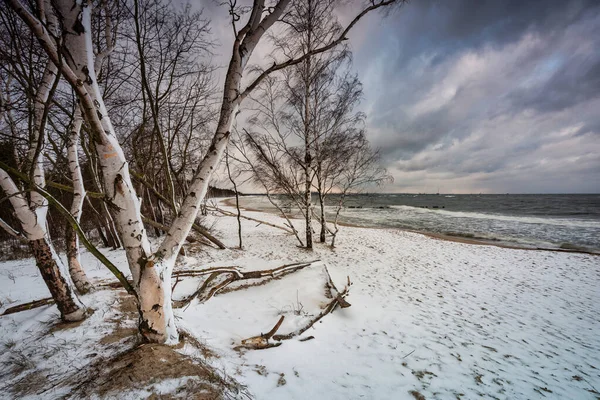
x=86, y=71
x=78, y=27
x=146, y=329
x=118, y=186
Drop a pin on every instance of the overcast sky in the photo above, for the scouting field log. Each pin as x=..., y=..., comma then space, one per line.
x=493, y=96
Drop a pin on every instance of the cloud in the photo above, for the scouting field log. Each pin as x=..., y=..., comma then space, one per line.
x=485, y=95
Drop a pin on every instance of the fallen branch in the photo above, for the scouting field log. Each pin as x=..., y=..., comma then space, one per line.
x=261, y=341
x=251, y=219
x=221, y=277
x=28, y=306
x=338, y=298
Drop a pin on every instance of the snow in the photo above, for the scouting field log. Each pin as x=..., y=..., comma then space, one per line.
x=35, y=338
x=440, y=318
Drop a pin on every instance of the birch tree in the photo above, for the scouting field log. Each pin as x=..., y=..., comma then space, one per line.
x=79, y=277
x=30, y=207
x=73, y=52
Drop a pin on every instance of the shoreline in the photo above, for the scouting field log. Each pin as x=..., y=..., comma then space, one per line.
x=230, y=202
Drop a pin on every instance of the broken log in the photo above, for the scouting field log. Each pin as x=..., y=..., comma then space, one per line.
x=28, y=306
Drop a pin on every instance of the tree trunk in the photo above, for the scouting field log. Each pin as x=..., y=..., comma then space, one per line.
x=80, y=280
x=323, y=221
x=237, y=199
x=308, y=217
x=103, y=237
x=77, y=273
x=157, y=322
x=55, y=277
x=307, y=139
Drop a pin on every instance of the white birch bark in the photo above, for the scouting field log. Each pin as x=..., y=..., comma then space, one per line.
x=80, y=72
x=12, y=231
x=38, y=203
x=151, y=280
x=77, y=273
x=28, y=219
x=164, y=258
x=245, y=42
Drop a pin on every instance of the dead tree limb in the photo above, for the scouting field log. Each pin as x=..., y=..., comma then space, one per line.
x=28, y=306
x=338, y=298
x=221, y=277
x=207, y=235
x=262, y=341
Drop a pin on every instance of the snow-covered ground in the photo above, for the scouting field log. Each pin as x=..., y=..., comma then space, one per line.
x=441, y=319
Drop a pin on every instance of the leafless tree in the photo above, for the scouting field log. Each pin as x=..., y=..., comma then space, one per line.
x=360, y=168
x=35, y=89
x=151, y=271
x=175, y=79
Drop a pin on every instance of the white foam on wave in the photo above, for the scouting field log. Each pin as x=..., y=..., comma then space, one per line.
x=570, y=222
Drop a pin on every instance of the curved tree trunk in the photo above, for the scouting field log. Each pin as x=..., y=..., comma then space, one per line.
x=56, y=279
x=79, y=277
x=77, y=273
x=53, y=272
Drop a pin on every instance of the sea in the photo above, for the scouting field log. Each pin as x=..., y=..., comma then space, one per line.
x=548, y=221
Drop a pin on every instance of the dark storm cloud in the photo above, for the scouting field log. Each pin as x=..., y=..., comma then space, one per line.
x=577, y=81
x=474, y=91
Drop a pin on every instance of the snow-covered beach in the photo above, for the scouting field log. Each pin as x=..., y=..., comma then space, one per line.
x=429, y=319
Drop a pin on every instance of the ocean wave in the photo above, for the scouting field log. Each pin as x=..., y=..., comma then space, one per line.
x=576, y=223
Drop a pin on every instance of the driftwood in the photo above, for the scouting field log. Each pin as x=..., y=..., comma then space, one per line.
x=252, y=219
x=262, y=341
x=28, y=306
x=221, y=277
